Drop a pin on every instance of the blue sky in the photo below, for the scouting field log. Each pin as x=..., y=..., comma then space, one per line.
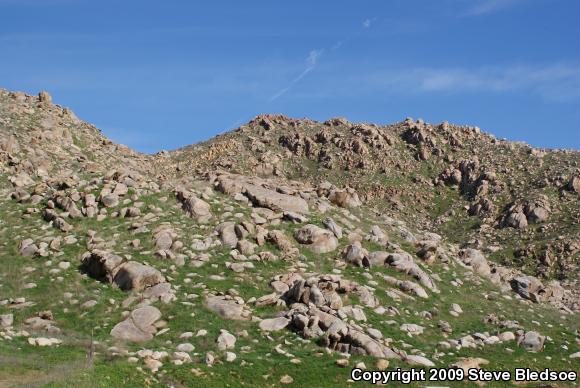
x=160, y=75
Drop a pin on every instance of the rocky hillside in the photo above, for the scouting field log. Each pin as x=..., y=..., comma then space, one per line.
x=517, y=203
x=39, y=139
x=285, y=252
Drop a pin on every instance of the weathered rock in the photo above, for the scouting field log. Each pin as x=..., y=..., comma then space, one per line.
x=226, y=340
x=516, y=220
x=412, y=328
x=469, y=363
x=574, y=184
x=403, y=262
x=331, y=225
x=139, y=326
x=475, y=260
x=418, y=360
x=226, y=307
x=261, y=196
x=532, y=341
x=279, y=239
x=106, y=266
x=28, y=248
x=274, y=324
x=276, y=201
x=356, y=255
x=6, y=320
x=246, y=247
x=406, y=286
x=43, y=96
x=110, y=200
x=344, y=198
x=316, y=239
x=527, y=286
x=102, y=265
x=136, y=276
x=227, y=234
x=163, y=240
x=197, y=208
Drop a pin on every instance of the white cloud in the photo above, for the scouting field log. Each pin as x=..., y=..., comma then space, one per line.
x=483, y=7
x=555, y=82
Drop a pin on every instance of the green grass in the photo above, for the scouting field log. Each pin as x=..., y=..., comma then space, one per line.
x=260, y=365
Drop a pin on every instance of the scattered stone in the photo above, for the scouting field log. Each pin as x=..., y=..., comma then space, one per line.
x=274, y=324
x=226, y=340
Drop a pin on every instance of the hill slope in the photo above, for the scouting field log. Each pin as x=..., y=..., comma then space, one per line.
x=280, y=253
x=518, y=203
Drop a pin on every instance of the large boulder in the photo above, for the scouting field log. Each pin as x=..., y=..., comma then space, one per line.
x=475, y=260
x=197, y=208
x=127, y=275
x=274, y=324
x=261, y=194
x=344, y=198
x=403, y=262
x=532, y=341
x=574, y=184
x=136, y=276
x=516, y=220
x=538, y=209
x=531, y=288
x=227, y=234
x=28, y=247
x=356, y=255
x=316, y=239
x=226, y=307
x=139, y=326
x=282, y=242
x=102, y=265
x=110, y=200
x=163, y=239
x=275, y=201
x=6, y=320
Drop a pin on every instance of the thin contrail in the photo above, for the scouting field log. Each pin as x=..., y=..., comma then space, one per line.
x=311, y=63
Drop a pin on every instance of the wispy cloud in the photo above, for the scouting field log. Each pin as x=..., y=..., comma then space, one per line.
x=337, y=45
x=555, y=82
x=368, y=22
x=483, y=7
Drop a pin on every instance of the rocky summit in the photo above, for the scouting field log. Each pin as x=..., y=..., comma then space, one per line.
x=285, y=252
